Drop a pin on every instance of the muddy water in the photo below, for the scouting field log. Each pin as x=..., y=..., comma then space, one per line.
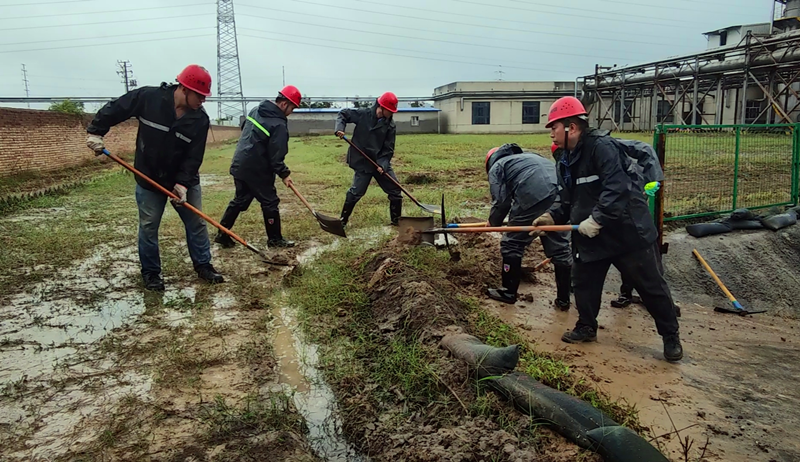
x=735, y=386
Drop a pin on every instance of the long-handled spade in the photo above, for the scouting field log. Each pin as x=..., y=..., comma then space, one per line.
x=426, y=207
x=454, y=254
x=329, y=224
x=737, y=307
x=502, y=229
x=193, y=209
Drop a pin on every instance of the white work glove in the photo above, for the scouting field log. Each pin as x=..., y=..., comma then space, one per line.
x=95, y=143
x=589, y=227
x=544, y=219
x=179, y=191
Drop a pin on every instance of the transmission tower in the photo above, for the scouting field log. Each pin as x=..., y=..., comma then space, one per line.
x=126, y=72
x=25, y=81
x=229, y=76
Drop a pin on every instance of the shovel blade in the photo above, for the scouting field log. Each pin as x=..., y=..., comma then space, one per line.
x=330, y=224
x=431, y=208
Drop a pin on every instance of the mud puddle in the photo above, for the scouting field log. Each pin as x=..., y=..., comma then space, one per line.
x=734, y=385
x=38, y=215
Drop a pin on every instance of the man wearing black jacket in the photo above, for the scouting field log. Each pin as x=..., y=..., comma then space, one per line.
x=615, y=226
x=258, y=159
x=170, y=145
x=375, y=134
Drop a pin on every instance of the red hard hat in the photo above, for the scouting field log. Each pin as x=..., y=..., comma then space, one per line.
x=291, y=93
x=553, y=148
x=489, y=154
x=388, y=101
x=196, y=78
x=568, y=106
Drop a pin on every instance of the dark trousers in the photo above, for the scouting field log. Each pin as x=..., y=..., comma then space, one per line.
x=626, y=289
x=361, y=182
x=556, y=245
x=643, y=270
x=264, y=193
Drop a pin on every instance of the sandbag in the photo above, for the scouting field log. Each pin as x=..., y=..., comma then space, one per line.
x=742, y=215
x=745, y=224
x=487, y=360
x=621, y=444
x=776, y=222
x=707, y=229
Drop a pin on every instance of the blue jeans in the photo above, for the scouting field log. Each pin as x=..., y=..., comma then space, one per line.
x=151, y=209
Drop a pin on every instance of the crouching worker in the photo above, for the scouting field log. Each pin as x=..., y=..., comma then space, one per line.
x=170, y=145
x=615, y=225
x=258, y=159
x=524, y=186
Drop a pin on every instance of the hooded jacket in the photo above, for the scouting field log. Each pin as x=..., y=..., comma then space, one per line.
x=168, y=150
x=374, y=136
x=518, y=180
x=262, y=146
x=593, y=180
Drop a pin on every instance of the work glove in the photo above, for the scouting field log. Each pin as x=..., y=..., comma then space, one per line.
x=589, y=227
x=95, y=143
x=544, y=219
x=179, y=191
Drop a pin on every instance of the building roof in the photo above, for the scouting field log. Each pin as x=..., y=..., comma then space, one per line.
x=754, y=27
x=336, y=109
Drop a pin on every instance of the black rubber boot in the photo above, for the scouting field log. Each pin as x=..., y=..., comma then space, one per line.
x=563, y=283
x=580, y=335
x=209, y=274
x=153, y=281
x=227, y=221
x=673, y=351
x=395, y=210
x=272, y=221
x=347, y=209
x=512, y=274
x=622, y=301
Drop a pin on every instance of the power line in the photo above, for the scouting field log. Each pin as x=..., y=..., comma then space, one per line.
x=670, y=7
x=106, y=36
x=505, y=29
x=105, y=44
x=100, y=23
x=61, y=77
x=558, y=53
x=47, y=3
x=193, y=5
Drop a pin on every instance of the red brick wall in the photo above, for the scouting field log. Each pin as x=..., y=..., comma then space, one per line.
x=45, y=140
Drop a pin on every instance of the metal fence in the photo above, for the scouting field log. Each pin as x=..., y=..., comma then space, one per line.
x=715, y=169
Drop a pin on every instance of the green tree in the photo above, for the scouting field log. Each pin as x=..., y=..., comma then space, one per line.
x=68, y=107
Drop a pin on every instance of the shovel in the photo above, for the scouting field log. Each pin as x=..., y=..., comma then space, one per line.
x=328, y=224
x=467, y=225
x=454, y=254
x=192, y=209
x=737, y=307
x=425, y=207
x=504, y=229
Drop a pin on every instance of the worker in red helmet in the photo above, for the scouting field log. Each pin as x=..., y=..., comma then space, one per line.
x=614, y=225
x=375, y=134
x=170, y=145
x=258, y=159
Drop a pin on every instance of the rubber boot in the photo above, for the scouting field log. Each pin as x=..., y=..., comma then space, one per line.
x=227, y=221
x=395, y=210
x=563, y=283
x=512, y=274
x=673, y=350
x=347, y=209
x=272, y=221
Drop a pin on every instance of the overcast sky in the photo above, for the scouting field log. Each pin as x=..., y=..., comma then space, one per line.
x=347, y=47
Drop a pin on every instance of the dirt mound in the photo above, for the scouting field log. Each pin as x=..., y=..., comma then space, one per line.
x=758, y=267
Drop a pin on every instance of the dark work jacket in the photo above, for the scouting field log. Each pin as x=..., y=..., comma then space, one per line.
x=594, y=181
x=259, y=155
x=374, y=136
x=518, y=182
x=168, y=150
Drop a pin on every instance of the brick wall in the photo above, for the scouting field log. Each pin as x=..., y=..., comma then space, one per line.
x=44, y=140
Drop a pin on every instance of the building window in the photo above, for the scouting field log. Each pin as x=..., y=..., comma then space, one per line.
x=415, y=121
x=480, y=113
x=752, y=110
x=664, y=112
x=723, y=38
x=530, y=112
x=628, y=111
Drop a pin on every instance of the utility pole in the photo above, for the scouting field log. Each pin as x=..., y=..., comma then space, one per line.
x=229, y=74
x=283, y=71
x=25, y=81
x=126, y=72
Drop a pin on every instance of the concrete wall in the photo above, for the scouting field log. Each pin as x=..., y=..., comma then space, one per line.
x=505, y=116
x=45, y=141
x=503, y=86
x=323, y=122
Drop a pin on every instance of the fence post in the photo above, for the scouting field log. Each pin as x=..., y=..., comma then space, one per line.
x=736, y=167
x=661, y=149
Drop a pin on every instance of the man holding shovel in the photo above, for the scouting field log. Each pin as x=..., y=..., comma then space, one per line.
x=258, y=159
x=170, y=145
x=375, y=134
x=524, y=184
x=614, y=225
